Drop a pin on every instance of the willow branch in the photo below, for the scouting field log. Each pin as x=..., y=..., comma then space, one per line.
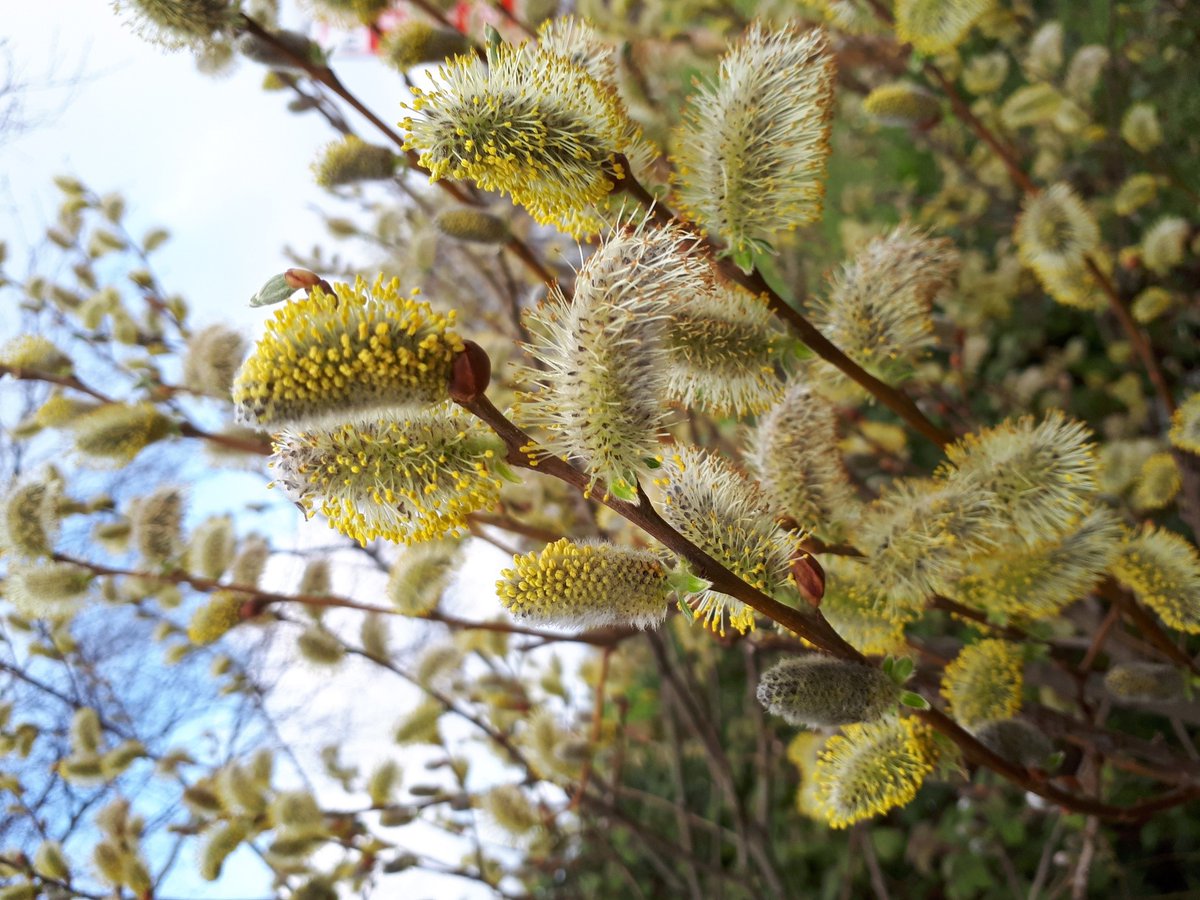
x=897, y=401
x=325, y=75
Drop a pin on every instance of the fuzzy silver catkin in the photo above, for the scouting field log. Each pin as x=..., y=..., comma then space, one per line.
x=752, y=148
x=794, y=452
x=819, y=691
x=599, y=391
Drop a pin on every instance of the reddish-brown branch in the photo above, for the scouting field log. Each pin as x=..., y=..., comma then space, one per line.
x=325, y=75
x=895, y=400
x=810, y=626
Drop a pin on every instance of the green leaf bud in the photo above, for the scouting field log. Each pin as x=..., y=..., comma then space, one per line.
x=49, y=861
x=218, y=845
x=121, y=757
x=382, y=785
x=818, y=691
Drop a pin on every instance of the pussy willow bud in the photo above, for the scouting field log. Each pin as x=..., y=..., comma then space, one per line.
x=878, y=307
x=211, y=547
x=1143, y=681
x=352, y=354
x=351, y=160
x=586, y=586
x=156, y=519
x=1043, y=474
x=283, y=51
x=472, y=225
x=752, y=148
x=213, y=357
x=902, y=103
x=115, y=433
x=350, y=12
x=470, y=373
x=415, y=43
x=1018, y=742
x=528, y=123
x=86, y=734
x=180, y=23
x=320, y=647
x=725, y=350
x=723, y=512
x=936, y=26
x=1140, y=128
x=509, y=807
x=603, y=365
x=218, y=844
x=316, y=580
x=49, y=862
x=794, y=452
x=1054, y=234
x=46, y=590
x=29, y=518
x=113, y=536
x=1164, y=245
x=850, y=16
x=985, y=73
x=1151, y=304
x=420, y=726
x=32, y=351
x=1084, y=71
x=1164, y=570
x=871, y=768
x=61, y=410
x=410, y=480
x=819, y=691
x=221, y=612
x=1158, y=483
x=983, y=683
x=250, y=561
x=1185, y=425
x=420, y=574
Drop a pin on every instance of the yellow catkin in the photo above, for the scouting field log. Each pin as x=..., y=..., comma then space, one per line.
x=356, y=352
x=983, y=683
x=869, y=769
x=1164, y=569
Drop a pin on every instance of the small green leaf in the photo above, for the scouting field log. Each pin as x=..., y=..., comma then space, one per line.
x=889, y=664
x=651, y=463
x=902, y=669
x=914, y=700
x=274, y=291
x=491, y=40
x=744, y=260
x=684, y=582
x=623, y=490
x=504, y=470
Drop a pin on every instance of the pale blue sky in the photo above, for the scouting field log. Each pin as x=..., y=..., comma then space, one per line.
x=225, y=167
